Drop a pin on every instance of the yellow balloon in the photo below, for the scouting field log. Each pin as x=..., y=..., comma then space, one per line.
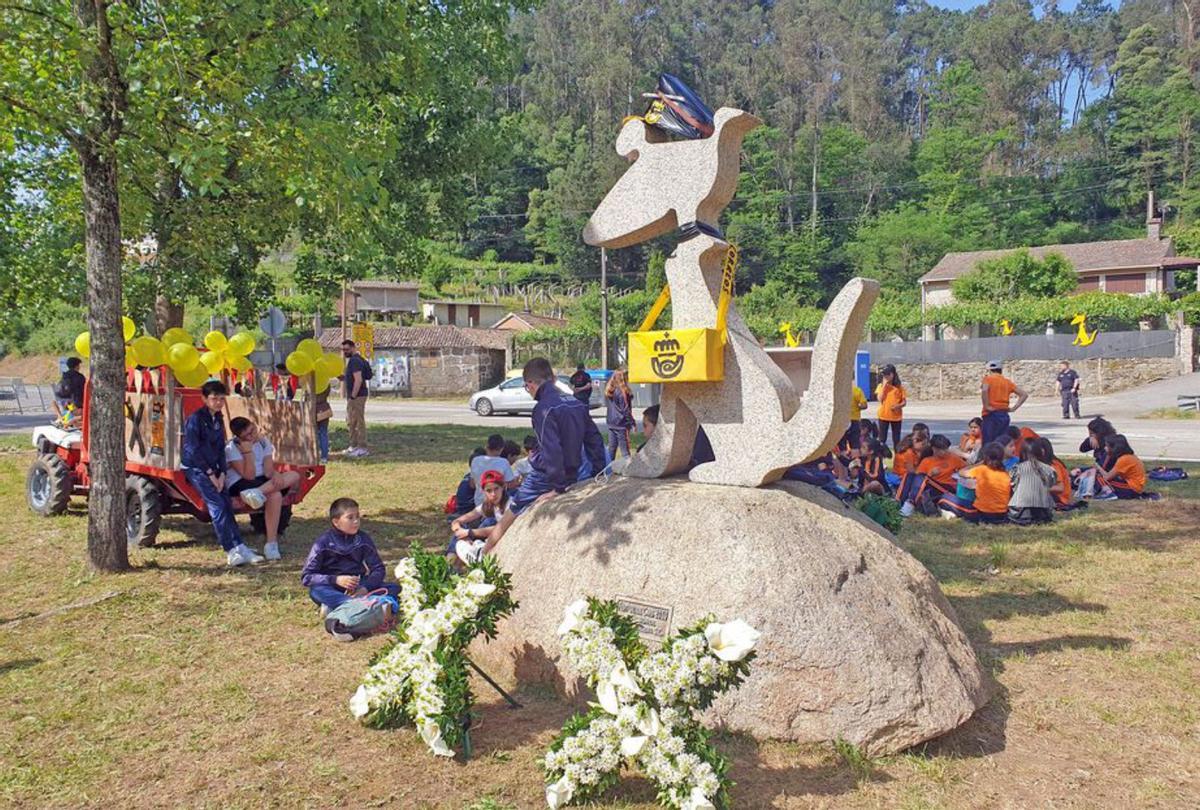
x=215, y=341
x=183, y=357
x=194, y=377
x=176, y=335
x=299, y=363
x=83, y=344
x=238, y=362
x=212, y=361
x=320, y=380
x=241, y=344
x=149, y=351
x=332, y=364
x=310, y=347
x=128, y=327
x=130, y=357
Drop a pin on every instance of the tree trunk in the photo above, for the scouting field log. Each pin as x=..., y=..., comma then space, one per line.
x=96, y=147
x=107, y=550
x=167, y=314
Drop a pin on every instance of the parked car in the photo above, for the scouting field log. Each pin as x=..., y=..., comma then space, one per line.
x=509, y=397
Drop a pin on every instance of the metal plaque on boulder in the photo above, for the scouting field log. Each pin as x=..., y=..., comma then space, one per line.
x=653, y=621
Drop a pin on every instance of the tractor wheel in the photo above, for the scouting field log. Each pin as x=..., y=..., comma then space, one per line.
x=48, y=485
x=143, y=511
x=258, y=520
x=483, y=406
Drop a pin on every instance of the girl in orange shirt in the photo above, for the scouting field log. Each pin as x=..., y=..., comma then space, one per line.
x=1125, y=474
x=971, y=442
x=892, y=399
x=993, y=488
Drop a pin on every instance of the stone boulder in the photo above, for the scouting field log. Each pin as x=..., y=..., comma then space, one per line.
x=858, y=641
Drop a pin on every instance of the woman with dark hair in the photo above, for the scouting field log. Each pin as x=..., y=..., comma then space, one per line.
x=993, y=489
x=892, y=399
x=1125, y=473
x=1098, y=429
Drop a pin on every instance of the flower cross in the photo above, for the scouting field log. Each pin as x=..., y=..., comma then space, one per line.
x=647, y=702
x=422, y=676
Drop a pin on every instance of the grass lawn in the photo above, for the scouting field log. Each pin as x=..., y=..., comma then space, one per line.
x=202, y=686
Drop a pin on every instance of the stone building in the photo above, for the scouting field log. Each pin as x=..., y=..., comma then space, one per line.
x=1134, y=266
x=434, y=361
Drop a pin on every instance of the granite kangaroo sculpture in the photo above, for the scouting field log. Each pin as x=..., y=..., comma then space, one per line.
x=756, y=421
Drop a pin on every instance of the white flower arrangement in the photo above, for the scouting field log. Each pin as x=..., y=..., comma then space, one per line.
x=646, y=708
x=421, y=677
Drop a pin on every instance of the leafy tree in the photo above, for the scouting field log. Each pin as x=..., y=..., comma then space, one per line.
x=1016, y=275
x=320, y=103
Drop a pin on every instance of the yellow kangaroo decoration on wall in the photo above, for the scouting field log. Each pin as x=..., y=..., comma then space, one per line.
x=1082, y=338
x=1005, y=327
x=789, y=337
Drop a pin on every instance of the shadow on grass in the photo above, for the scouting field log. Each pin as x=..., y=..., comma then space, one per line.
x=18, y=664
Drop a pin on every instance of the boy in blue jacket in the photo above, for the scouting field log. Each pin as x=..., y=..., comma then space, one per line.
x=566, y=437
x=343, y=562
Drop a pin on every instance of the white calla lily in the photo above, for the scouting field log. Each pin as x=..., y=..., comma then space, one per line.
x=480, y=589
x=649, y=723
x=573, y=616
x=731, y=641
x=696, y=801
x=632, y=746
x=559, y=794
x=431, y=733
x=621, y=676
x=360, y=703
x=606, y=693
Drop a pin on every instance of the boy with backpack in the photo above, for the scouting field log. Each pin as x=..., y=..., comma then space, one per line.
x=343, y=573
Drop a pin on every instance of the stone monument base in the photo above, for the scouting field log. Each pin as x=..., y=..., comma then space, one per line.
x=858, y=642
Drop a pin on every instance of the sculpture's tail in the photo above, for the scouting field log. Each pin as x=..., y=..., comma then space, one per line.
x=821, y=419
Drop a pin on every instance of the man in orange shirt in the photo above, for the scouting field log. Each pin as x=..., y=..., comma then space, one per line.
x=997, y=391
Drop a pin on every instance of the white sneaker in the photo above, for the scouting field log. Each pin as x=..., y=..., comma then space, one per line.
x=349, y=451
x=241, y=555
x=271, y=551
x=948, y=515
x=250, y=554
x=906, y=509
x=469, y=551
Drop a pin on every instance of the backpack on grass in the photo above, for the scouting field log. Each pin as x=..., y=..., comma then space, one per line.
x=1167, y=474
x=362, y=616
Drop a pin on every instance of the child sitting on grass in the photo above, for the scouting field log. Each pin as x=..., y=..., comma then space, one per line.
x=933, y=478
x=476, y=526
x=1061, y=490
x=1031, y=500
x=971, y=442
x=1125, y=473
x=993, y=489
x=524, y=465
x=870, y=469
x=343, y=563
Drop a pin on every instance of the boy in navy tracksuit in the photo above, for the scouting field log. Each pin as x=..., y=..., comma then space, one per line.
x=566, y=435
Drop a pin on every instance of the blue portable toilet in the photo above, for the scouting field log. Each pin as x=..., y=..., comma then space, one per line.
x=862, y=372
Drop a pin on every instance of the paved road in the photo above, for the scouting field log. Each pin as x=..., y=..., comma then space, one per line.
x=1151, y=438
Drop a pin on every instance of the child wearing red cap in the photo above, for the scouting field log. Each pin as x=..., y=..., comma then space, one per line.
x=465, y=542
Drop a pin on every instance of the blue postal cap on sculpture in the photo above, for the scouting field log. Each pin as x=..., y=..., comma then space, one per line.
x=994, y=365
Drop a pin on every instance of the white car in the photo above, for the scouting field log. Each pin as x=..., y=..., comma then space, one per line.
x=509, y=397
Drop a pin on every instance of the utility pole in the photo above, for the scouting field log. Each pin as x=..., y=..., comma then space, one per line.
x=603, y=308
x=344, y=311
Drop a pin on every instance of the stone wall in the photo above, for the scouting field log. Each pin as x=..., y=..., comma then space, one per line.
x=451, y=372
x=1098, y=376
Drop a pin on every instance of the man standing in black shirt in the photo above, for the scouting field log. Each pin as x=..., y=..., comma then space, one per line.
x=1068, y=389
x=581, y=384
x=356, y=389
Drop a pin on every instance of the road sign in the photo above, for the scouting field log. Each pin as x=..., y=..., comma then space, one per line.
x=273, y=323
